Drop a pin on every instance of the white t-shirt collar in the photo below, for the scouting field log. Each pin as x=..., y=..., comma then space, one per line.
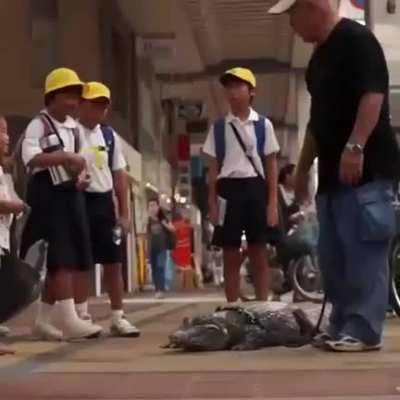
x=69, y=122
x=253, y=116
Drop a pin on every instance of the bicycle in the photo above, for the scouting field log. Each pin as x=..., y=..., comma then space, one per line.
x=394, y=263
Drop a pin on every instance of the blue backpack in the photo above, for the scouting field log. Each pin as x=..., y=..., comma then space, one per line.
x=220, y=140
x=109, y=139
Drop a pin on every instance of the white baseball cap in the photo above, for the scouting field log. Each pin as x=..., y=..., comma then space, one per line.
x=282, y=6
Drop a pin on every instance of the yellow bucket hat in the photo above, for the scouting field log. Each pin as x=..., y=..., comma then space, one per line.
x=243, y=74
x=96, y=90
x=61, y=78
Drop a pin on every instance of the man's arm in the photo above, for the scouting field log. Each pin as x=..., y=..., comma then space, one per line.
x=367, y=117
x=372, y=83
x=352, y=161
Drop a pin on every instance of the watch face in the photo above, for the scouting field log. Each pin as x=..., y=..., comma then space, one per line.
x=355, y=148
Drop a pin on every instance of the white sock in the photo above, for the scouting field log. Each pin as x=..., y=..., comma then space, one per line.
x=117, y=315
x=82, y=308
x=44, y=312
x=67, y=310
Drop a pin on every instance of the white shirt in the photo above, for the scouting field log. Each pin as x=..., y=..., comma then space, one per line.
x=236, y=164
x=93, y=148
x=5, y=219
x=36, y=130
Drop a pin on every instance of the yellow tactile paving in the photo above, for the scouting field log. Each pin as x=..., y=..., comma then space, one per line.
x=28, y=350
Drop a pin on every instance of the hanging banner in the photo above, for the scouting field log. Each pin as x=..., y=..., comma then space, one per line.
x=184, y=148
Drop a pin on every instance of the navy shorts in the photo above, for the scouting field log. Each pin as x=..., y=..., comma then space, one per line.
x=58, y=216
x=246, y=212
x=102, y=221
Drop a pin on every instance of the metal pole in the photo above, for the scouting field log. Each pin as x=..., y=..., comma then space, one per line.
x=369, y=15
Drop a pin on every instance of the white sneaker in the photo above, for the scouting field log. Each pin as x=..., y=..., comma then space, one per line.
x=77, y=329
x=85, y=317
x=46, y=331
x=4, y=331
x=159, y=295
x=123, y=328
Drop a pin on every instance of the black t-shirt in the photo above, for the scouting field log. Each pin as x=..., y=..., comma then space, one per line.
x=349, y=64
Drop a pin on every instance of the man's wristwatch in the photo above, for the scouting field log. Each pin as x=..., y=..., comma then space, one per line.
x=355, y=147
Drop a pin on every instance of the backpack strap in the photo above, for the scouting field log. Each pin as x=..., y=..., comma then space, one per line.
x=109, y=139
x=219, y=140
x=259, y=127
x=50, y=128
x=77, y=140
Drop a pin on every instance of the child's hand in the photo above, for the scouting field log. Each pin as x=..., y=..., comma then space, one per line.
x=17, y=207
x=83, y=181
x=75, y=163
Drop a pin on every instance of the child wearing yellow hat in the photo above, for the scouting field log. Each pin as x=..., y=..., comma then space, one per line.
x=106, y=165
x=242, y=149
x=49, y=150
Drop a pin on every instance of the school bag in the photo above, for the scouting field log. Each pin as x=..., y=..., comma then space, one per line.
x=220, y=139
x=109, y=139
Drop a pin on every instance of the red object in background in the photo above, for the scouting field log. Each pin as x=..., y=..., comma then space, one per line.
x=182, y=254
x=184, y=148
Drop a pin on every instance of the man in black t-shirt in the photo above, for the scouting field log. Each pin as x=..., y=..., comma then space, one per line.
x=350, y=133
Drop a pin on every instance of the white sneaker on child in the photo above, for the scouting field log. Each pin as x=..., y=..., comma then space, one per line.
x=4, y=331
x=46, y=331
x=85, y=317
x=121, y=327
x=82, y=311
x=72, y=326
x=76, y=329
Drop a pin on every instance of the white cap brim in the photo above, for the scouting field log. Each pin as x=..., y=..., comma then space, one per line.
x=282, y=6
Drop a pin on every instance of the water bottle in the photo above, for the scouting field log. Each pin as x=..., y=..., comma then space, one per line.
x=117, y=235
x=59, y=174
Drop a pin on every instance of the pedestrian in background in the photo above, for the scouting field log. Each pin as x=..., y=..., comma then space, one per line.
x=182, y=253
x=159, y=231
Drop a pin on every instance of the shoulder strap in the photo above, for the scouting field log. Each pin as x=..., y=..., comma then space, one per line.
x=109, y=139
x=77, y=139
x=49, y=127
x=243, y=147
x=219, y=140
x=259, y=127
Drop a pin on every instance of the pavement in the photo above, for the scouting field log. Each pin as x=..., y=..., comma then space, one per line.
x=121, y=369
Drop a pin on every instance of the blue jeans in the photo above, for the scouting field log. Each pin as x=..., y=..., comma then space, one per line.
x=158, y=261
x=356, y=226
